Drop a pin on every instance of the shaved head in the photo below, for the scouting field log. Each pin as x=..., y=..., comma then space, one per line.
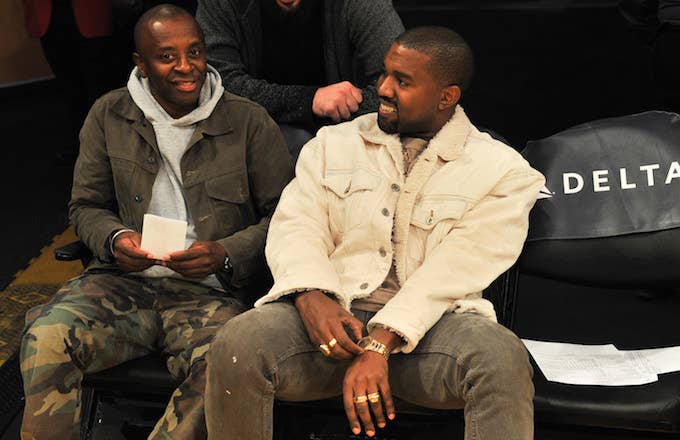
x=170, y=54
x=157, y=13
x=451, y=58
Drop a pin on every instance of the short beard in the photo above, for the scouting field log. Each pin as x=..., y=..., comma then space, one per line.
x=389, y=127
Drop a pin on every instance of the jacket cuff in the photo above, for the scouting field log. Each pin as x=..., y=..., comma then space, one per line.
x=98, y=240
x=244, y=263
x=410, y=342
x=112, y=238
x=283, y=288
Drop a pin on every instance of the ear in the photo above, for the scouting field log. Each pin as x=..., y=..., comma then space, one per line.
x=137, y=58
x=449, y=97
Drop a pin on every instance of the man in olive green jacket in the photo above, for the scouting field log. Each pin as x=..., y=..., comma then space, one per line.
x=174, y=144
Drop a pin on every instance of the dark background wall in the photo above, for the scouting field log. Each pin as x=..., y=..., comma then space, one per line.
x=543, y=66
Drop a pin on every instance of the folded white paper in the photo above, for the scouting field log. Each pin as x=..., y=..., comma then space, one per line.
x=162, y=236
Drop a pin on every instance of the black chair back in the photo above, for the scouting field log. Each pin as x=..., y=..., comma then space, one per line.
x=601, y=264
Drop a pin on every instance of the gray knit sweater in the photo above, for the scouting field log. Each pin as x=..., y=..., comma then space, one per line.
x=357, y=34
x=669, y=11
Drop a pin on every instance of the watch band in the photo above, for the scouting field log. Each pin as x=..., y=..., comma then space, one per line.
x=370, y=344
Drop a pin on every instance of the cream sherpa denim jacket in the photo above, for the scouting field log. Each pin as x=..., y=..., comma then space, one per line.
x=452, y=226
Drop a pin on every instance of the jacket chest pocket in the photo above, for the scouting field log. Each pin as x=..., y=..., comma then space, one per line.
x=438, y=209
x=228, y=196
x=351, y=197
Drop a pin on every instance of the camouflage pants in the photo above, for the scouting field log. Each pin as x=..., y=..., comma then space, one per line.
x=98, y=321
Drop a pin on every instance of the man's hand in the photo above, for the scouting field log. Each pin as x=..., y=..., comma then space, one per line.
x=129, y=256
x=367, y=376
x=203, y=258
x=337, y=101
x=324, y=320
x=365, y=390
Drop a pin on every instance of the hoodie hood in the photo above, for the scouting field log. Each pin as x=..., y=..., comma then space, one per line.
x=211, y=92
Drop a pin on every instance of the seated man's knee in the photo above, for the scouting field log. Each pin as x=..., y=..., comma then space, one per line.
x=247, y=334
x=231, y=338
x=500, y=352
x=56, y=333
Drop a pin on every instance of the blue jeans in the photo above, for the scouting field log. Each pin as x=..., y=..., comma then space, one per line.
x=296, y=137
x=464, y=361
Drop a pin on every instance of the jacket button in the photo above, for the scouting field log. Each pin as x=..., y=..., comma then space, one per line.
x=139, y=198
x=385, y=212
x=151, y=159
x=382, y=252
x=363, y=286
x=395, y=187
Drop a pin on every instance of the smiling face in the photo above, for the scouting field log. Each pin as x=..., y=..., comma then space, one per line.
x=171, y=54
x=412, y=101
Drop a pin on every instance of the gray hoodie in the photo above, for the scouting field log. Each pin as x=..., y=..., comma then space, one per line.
x=172, y=136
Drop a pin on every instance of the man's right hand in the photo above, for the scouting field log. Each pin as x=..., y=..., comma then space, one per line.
x=129, y=256
x=325, y=320
x=337, y=101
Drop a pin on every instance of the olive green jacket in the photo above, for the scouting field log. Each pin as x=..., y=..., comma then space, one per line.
x=233, y=171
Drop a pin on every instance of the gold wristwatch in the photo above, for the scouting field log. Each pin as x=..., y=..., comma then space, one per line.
x=368, y=343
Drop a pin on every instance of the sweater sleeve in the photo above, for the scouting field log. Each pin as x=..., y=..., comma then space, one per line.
x=373, y=26
x=225, y=39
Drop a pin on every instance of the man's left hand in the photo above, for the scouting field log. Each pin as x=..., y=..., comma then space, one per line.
x=203, y=258
x=365, y=390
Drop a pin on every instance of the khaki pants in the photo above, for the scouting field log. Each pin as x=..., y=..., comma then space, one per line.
x=98, y=321
x=464, y=361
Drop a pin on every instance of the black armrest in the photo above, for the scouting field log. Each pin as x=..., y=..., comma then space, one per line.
x=73, y=251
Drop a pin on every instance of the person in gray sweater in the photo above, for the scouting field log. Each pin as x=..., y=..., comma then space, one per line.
x=309, y=63
x=666, y=60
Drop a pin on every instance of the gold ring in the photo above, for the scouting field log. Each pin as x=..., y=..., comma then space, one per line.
x=360, y=399
x=332, y=343
x=325, y=350
x=374, y=397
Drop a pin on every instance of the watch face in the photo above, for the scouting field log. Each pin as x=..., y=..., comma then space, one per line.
x=370, y=344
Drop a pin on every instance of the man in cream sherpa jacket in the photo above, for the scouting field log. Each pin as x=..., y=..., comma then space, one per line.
x=382, y=245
